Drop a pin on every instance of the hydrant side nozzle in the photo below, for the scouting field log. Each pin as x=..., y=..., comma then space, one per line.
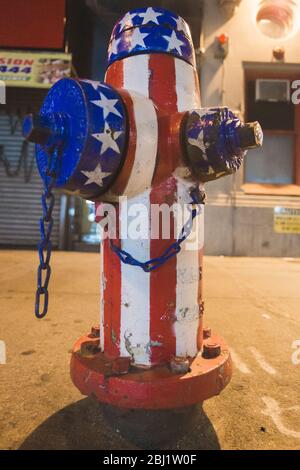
x=85, y=122
x=215, y=142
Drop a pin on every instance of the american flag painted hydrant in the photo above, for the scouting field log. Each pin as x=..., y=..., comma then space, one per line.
x=141, y=140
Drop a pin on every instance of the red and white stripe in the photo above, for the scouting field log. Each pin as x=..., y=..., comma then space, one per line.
x=151, y=316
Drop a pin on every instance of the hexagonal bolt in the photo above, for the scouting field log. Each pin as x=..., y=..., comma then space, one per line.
x=180, y=365
x=121, y=365
x=206, y=333
x=34, y=130
x=89, y=348
x=95, y=331
x=211, y=350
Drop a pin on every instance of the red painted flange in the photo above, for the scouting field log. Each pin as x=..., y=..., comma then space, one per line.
x=122, y=385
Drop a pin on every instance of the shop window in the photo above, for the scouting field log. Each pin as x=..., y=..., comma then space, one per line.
x=272, y=164
x=268, y=100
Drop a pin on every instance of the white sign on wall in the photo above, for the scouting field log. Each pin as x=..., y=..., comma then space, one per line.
x=2, y=352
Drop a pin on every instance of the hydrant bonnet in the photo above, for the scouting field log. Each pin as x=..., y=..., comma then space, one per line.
x=151, y=30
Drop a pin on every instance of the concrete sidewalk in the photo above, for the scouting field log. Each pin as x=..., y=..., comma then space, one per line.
x=253, y=303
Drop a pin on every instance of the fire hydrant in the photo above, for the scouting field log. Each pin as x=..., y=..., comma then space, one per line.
x=141, y=139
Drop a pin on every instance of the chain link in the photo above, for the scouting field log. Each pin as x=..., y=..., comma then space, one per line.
x=171, y=251
x=45, y=245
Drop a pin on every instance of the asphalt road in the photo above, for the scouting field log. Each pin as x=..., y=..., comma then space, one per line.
x=253, y=303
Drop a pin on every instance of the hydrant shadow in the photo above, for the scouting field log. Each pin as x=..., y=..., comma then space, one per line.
x=87, y=425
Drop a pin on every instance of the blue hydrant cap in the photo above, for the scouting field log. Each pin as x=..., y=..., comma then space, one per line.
x=85, y=122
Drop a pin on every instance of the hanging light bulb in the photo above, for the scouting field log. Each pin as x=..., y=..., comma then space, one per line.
x=278, y=19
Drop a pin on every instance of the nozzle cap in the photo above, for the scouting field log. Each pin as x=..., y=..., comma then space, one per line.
x=34, y=129
x=250, y=135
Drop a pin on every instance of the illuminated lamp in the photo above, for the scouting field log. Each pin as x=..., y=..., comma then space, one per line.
x=278, y=19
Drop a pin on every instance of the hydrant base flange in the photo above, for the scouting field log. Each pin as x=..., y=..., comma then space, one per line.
x=154, y=388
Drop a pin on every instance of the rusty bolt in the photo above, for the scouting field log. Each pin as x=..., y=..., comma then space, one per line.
x=121, y=365
x=211, y=350
x=95, y=331
x=180, y=365
x=206, y=333
x=89, y=348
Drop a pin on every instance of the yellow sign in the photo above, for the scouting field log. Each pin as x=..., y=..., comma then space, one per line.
x=286, y=220
x=33, y=69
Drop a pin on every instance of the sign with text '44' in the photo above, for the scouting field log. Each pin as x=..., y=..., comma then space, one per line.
x=34, y=69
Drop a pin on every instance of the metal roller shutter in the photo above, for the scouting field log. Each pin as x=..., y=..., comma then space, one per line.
x=20, y=183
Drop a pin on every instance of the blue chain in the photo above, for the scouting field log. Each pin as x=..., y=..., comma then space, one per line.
x=45, y=245
x=170, y=252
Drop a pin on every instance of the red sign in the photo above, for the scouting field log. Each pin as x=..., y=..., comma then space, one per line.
x=37, y=24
